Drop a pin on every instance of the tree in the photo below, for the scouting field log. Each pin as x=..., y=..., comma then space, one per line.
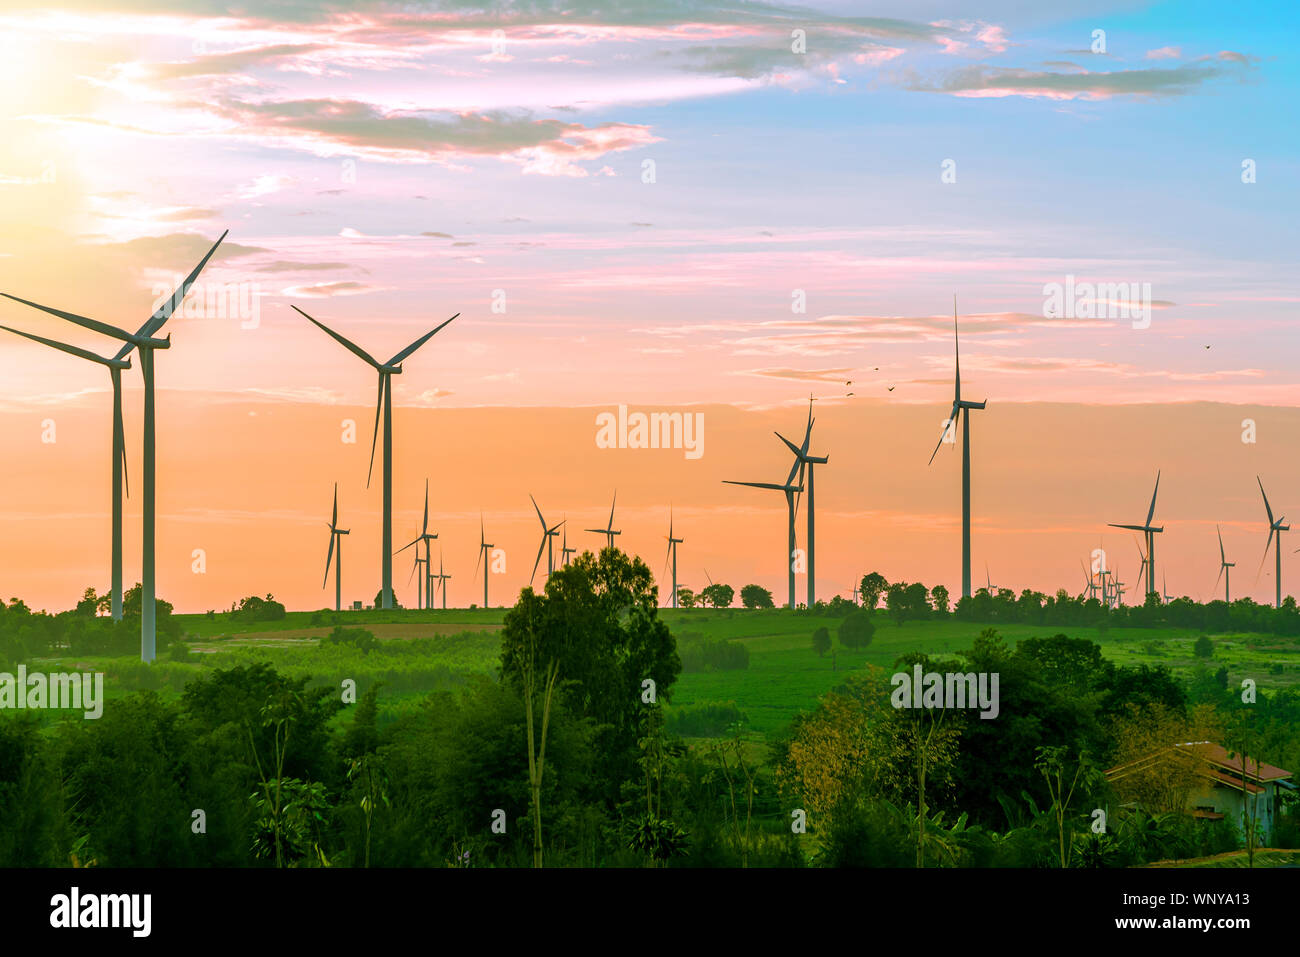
x=1051, y=764
x=718, y=595
x=939, y=594
x=1204, y=647
x=896, y=602
x=857, y=630
x=871, y=588
x=89, y=604
x=821, y=641
x=379, y=596
x=756, y=596
x=598, y=621
x=686, y=597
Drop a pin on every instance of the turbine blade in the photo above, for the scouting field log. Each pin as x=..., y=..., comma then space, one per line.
x=334, y=519
x=352, y=347
x=1267, y=507
x=159, y=318
x=417, y=343
x=611, y=510
x=93, y=324
x=1222, y=557
x=952, y=424
x=424, y=528
x=540, y=548
x=379, y=408
x=539, y=511
x=62, y=347
x=790, y=445
x=1152, y=510
x=329, y=557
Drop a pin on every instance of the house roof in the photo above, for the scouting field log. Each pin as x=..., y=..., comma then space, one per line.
x=1218, y=755
x=1223, y=769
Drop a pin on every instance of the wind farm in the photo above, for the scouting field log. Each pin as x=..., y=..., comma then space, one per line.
x=609, y=259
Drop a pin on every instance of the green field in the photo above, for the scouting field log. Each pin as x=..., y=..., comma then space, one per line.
x=784, y=677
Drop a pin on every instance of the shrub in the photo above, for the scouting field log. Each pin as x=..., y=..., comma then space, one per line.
x=857, y=630
x=706, y=654
x=711, y=719
x=1204, y=647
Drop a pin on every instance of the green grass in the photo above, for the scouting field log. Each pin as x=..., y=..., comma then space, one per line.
x=785, y=676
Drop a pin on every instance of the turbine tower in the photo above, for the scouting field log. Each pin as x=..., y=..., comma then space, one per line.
x=336, y=534
x=808, y=461
x=143, y=339
x=960, y=405
x=548, y=544
x=1150, y=531
x=483, y=548
x=384, y=410
x=115, y=367
x=789, y=488
x=1224, y=565
x=1279, y=528
x=672, y=553
x=608, y=531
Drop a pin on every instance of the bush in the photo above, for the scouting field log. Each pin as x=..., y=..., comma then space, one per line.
x=712, y=719
x=253, y=608
x=756, y=596
x=857, y=630
x=358, y=638
x=706, y=654
x=1204, y=647
x=821, y=641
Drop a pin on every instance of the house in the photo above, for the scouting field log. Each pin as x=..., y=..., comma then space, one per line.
x=1215, y=786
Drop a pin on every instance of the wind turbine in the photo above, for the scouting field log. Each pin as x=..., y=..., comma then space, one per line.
x=335, y=537
x=1117, y=588
x=1150, y=531
x=1224, y=565
x=672, y=553
x=384, y=409
x=548, y=545
x=115, y=367
x=483, y=547
x=988, y=582
x=1164, y=589
x=565, y=550
x=143, y=339
x=960, y=405
x=608, y=531
x=789, y=488
x=1279, y=528
x=805, y=460
x=443, y=578
x=424, y=580
x=1090, y=586
x=426, y=537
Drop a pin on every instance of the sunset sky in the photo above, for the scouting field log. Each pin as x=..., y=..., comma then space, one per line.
x=809, y=218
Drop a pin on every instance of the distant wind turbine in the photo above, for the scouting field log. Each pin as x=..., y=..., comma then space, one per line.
x=808, y=461
x=336, y=534
x=672, y=553
x=426, y=537
x=1279, y=528
x=1150, y=531
x=484, y=547
x=608, y=531
x=384, y=410
x=1224, y=565
x=789, y=488
x=548, y=544
x=960, y=405
x=565, y=549
x=443, y=577
x=145, y=340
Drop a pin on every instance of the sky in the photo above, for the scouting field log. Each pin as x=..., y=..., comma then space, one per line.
x=708, y=208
